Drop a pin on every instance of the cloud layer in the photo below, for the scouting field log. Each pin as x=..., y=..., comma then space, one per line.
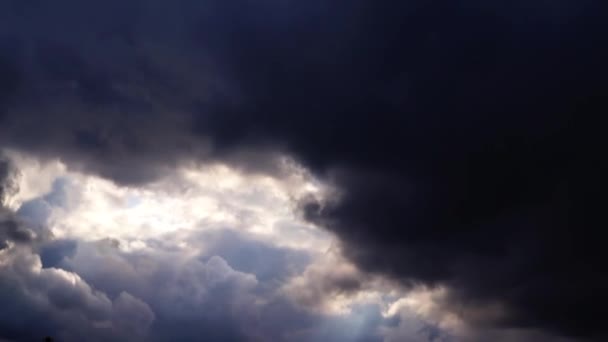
x=461, y=140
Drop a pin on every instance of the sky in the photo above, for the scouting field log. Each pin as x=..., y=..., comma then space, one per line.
x=322, y=170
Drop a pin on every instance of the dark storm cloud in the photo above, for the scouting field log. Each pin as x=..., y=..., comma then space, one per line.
x=464, y=136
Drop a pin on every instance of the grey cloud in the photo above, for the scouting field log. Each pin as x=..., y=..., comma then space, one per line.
x=54, y=252
x=361, y=325
x=324, y=280
x=45, y=301
x=11, y=228
x=190, y=297
x=8, y=185
x=270, y=264
x=38, y=301
x=131, y=316
x=205, y=295
x=63, y=195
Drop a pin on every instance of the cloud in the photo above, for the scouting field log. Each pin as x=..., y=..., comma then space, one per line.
x=12, y=230
x=192, y=198
x=233, y=283
x=328, y=285
x=210, y=279
x=8, y=186
x=192, y=295
x=463, y=137
x=41, y=301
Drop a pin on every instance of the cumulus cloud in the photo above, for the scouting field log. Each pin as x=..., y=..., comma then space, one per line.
x=39, y=301
x=215, y=277
x=328, y=285
x=209, y=279
x=45, y=301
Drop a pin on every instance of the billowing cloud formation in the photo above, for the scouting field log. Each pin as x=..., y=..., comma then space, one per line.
x=219, y=276
x=63, y=304
x=462, y=137
x=39, y=301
